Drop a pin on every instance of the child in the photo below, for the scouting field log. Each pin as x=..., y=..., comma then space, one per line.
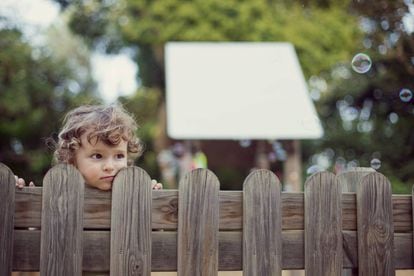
x=98, y=140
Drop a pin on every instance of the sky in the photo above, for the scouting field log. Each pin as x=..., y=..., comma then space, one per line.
x=114, y=74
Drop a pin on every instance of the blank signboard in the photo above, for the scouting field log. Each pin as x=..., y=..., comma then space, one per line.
x=237, y=90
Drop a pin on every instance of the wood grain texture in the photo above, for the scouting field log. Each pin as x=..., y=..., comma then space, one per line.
x=375, y=226
x=323, y=225
x=262, y=224
x=165, y=210
x=7, y=195
x=131, y=223
x=62, y=222
x=96, y=256
x=198, y=224
x=349, y=181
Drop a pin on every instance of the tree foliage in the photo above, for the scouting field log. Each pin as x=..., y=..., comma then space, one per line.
x=144, y=105
x=365, y=118
x=321, y=36
x=36, y=89
x=363, y=115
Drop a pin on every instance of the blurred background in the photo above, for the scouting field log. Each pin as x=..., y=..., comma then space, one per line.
x=357, y=58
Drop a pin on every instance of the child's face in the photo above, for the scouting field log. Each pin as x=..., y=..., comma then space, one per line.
x=99, y=163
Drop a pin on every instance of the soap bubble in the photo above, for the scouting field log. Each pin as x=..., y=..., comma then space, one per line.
x=245, y=143
x=361, y=63
x=375, y=164
x=314, y=169
x=406, y=95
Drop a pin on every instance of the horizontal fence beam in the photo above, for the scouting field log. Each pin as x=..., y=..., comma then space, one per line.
x=165, y=210
x=164, y=250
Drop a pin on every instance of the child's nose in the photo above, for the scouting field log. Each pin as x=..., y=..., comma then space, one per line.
x=108, y=165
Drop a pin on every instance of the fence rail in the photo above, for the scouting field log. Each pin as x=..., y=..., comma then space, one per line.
x=347, y=221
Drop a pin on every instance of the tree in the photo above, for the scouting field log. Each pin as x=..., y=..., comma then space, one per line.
x=371, y=108
x=37, y=88
x=321, y=33
x=150, y=24
x=326, y=34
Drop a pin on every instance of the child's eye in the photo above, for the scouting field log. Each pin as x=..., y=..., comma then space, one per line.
x=96, y=156
x=120, y=156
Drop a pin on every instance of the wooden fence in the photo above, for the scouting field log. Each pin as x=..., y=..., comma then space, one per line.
x=65, y=228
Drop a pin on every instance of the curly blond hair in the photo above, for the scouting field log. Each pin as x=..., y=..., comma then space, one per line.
x=106, y=123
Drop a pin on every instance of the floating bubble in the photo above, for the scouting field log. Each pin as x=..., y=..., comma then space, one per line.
x=314, y=169
x=393, y=117
x=271, y=156
x=406, y=95
x=281, y=154
x=245, y=143
x=361, y=63
x=352, y=164
x=276, y=145
x=375, y=164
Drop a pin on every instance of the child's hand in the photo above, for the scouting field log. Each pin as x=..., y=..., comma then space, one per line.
x=155, y=185
x=20, y=183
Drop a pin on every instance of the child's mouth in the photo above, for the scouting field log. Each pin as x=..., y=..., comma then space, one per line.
x=108, y=178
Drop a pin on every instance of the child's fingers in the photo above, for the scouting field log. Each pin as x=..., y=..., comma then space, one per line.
x=155, y=185
x=20, y=183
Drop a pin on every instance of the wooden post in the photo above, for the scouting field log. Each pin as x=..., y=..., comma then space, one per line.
x=7, y=186
x=131, y=223
x=61, y=248
x=349, y=182
x=262, y=224
x=323, y=225
x=351, y=179
x=198, y=224
x=375, y=226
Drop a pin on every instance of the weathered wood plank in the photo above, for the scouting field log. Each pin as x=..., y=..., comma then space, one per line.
x=351, y=178
x=375, y=226
x=165, y=210
x=62, y=222
x=348, y=181
x=131, y=223
x=96, y=256
x=262, y=224
x=198, y=215
x=7, y=194
x=323, y=225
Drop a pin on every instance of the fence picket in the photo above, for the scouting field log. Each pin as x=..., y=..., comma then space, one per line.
x=131, y=223
x=323, y=225
x=198, y=224
x=7, y=200
x=262, y=224
x=375, y=226
x=349, y=181
x=62, y=222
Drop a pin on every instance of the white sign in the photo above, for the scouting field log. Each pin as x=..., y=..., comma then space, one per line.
x=237, y=90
